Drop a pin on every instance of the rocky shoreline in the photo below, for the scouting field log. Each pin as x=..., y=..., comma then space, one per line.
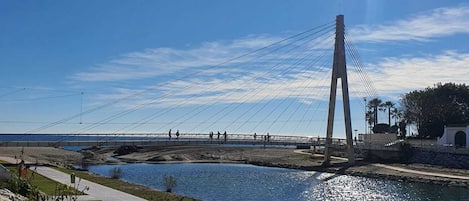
x=270, y=156
x=365, y=172
x=287, y=158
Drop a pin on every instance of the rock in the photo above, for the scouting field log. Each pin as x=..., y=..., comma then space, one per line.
x=123, y=150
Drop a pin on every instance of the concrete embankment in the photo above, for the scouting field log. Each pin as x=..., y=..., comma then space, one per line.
x=445, y=159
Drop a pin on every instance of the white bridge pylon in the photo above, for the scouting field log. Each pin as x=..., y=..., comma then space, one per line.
x=339, y=70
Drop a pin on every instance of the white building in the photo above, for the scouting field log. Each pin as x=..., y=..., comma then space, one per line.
x=378, y=138
x=454, y=136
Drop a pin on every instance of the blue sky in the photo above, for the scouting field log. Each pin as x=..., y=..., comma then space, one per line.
x=61, y=58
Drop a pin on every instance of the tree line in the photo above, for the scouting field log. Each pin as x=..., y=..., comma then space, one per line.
x=429, y=110
x=434, y=107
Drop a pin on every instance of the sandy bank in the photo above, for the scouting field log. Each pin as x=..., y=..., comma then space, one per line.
x=275, y=157
x=288, y=158
x=43, y=155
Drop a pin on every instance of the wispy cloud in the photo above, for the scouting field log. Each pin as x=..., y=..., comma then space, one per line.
x=421, y=27
x=250, y=88
x=265, y=79
x=404, y=74
x=273, y=73
x=161, y=61
x=391, y=76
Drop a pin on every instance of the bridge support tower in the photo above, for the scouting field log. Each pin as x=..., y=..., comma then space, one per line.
x=339, y=71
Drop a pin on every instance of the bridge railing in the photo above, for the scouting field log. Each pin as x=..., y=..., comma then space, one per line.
x=375, y=146
x=244, y=138
x=160, y=138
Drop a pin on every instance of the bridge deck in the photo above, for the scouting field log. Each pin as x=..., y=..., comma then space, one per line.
x=183, y=139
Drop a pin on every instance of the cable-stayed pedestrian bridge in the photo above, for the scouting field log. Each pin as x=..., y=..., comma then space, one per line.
x=184, y=139
x=159, y=139
x=279, y=87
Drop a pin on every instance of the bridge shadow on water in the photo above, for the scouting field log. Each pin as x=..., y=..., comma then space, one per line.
x=339, y=168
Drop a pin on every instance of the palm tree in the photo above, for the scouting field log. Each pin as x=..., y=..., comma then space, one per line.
x=396, y=114
x=374, y=104
x=387, y=106
x=370, y=118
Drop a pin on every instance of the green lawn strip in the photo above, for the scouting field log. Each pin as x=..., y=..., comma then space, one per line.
x=44, y=184
x=134, y=189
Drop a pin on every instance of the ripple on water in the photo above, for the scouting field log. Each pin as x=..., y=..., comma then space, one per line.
x=248, y=182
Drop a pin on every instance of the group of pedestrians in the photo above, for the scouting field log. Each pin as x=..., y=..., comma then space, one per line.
x=266, y=137
x=210, y=135
x=177, y=134
x=225, y=136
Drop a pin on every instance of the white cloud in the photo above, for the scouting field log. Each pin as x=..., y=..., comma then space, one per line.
x=257, y=80
x=436, y=23
x=391, y=77
x=405, y=74
x=252, y=88
x=160, y=61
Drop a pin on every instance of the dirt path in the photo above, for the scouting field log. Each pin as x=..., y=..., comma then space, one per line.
x=400, y=169
x=421, y=172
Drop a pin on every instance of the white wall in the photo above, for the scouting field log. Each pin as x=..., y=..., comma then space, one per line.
x=449, y=133
x=378, y=138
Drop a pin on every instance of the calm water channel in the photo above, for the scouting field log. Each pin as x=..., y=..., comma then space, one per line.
x=249, y=182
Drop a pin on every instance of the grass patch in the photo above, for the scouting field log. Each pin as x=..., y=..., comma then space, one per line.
x=134, y=189
x=44, y=184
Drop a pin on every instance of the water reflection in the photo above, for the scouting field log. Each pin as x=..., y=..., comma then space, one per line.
x=248, y=182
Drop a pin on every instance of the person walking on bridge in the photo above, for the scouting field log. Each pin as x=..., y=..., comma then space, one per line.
x=177, y=134
x=169, y=133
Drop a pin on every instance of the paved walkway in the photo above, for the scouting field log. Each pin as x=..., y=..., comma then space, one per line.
x=421, y=172
x=399, y=168
x=306, y=152
x=96, y=191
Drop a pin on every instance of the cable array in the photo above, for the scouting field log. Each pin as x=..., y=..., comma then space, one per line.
x=368, y=87
x=292, y=46
x=278, y=88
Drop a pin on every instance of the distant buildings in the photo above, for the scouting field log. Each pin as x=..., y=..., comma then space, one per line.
x=455, y=136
